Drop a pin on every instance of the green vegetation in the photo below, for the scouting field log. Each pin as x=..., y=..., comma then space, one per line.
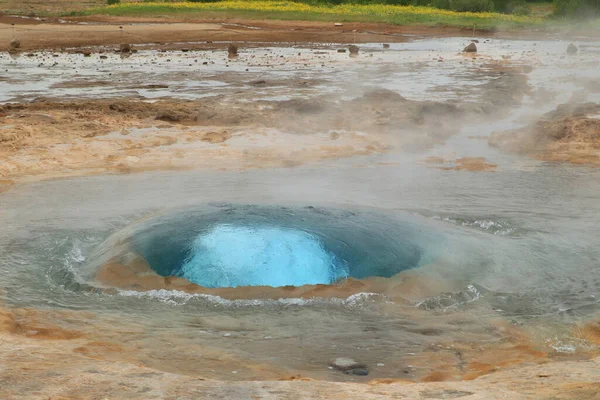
x=577, y=8
x=289, y=10
x=502, y=6
x=111, y=2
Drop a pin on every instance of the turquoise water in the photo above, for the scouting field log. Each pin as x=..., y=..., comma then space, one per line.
x=231, y=256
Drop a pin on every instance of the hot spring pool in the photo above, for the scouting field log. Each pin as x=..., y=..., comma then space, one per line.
x=228, y=246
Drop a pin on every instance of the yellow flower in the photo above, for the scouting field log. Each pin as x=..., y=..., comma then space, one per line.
x=383, y=10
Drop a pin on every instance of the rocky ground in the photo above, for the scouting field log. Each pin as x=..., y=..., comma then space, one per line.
x=571, y=133
x=42, y=361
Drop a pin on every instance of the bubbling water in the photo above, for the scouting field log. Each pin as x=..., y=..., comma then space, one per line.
x=231, y=256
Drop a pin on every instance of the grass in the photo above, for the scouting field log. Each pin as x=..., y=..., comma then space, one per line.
x=289, y=10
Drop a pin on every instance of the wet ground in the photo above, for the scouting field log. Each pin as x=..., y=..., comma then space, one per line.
x=396, y=136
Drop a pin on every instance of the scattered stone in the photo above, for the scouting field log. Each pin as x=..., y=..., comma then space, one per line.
x=15, y=43
x=125, y=48
x=232, y=50
x=87, y=53
x=572, y=49
x=380, y=364
x=353, y=49
x=349, y=366
x=471, y=48
x=338, y=24
x=386, y=46
x=359, y=371
x=185, y=50
x=341, y=50
x=103, y=57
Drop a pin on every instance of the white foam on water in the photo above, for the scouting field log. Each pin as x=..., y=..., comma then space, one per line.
x=177, y=297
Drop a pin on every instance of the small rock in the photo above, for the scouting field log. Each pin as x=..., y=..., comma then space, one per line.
x=125, y=48
x=232, y=50
x=386, y=46
x=471, y=48
x=380, y=364
x=474, y=40
x=227, y=334
x=103, y=57
x=348, y=365
x=572, y=49
x=360, y=371
x=341, y=50
x=338, y=24
x=353, y=49
x=185, y=50
x=87, y=53
x=15, y=43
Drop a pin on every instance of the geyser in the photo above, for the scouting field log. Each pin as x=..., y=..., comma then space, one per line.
x=230, y=256
x=222, y=246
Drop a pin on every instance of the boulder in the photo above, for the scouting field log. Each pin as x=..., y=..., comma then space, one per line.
x=125, y=48
x=572, y=49
x=471, y=48
x=232, y=50
x=353, y=49
x=349, y=366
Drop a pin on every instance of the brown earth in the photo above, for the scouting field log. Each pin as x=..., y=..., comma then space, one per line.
x=105, y=31
x=571, y=133
x=473, y=164
x=43, y=359
x=55, y=33
x=49, y=138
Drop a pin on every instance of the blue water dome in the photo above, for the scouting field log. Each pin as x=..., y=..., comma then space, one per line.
x=231, y=256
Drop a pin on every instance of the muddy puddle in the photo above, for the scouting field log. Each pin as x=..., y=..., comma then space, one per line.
x=451, y=258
